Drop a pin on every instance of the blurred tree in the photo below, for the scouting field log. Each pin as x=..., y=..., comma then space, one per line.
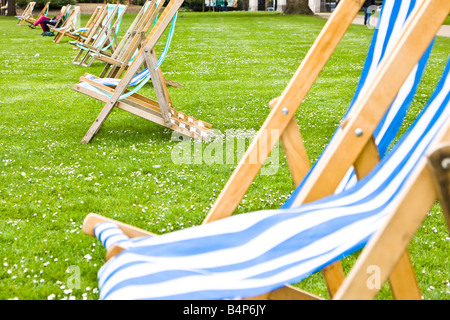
x=297, y=7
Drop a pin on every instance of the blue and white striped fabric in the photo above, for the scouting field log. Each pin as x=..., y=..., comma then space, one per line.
x=393, y=16
x=250, y=254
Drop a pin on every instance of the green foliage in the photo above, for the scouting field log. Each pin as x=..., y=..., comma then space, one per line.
x=231, y=65
x=41, y=3
x=194, y=5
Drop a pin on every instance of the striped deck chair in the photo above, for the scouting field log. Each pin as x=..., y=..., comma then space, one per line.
x=69, y=21
x=129, y=50
x=27, y=13
x=160, y=111
x=393, y=16
x=3, y=8
x=133, y=38
x=249, y=255
x=43, y=13
x=77, y=33
x=102, y=39
x=415, y=36
x=96, y=26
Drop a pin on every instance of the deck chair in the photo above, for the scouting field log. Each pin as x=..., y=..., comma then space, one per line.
x=3, y=8
x=27, y=13
x=77, y=33
x=282, y=121
x=43, y=13
x=426, y=12
x=103, y=37
x=247, y=255
x=132, y=40
x=68, y=21
x=117, y=62
x=90, y=35
x=126, y=51
x=121, y=96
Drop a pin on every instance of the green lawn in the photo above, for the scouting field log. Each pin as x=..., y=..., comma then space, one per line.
x=447, y=21
x=231, y=65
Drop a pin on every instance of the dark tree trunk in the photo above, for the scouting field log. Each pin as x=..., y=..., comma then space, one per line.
x=245, y=5
x=298, y=7
x=12, y=8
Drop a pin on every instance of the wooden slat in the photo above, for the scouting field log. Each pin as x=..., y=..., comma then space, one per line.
x=403, y=281
x=158, y=84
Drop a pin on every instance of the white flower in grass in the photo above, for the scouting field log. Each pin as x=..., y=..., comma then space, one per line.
x=88, y=257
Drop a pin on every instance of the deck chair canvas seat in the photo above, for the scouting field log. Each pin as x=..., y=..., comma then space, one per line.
x=77, y=33
x=160, y=111
x=43, y=13
x=428, y=6
x=389, y=25
x=250, y=254
x=27, y=13
x=103, y=36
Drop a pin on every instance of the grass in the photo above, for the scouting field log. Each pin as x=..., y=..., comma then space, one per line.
x=231, y=66
x=447, y=21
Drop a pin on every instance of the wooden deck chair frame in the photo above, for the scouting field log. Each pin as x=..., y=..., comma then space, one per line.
x=132, y=41
x=43, y=13
x=160, y=111
x=281, y=118
x=350, y=149
x=68, y=23
x=118, y=61
x=95, y=27
x=106, y=36
x=65, y=12
x=60, y=32
x=27, y=13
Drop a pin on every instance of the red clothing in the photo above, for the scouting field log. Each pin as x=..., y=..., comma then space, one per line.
x=42, y=21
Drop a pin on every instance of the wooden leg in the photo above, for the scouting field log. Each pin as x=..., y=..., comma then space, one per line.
x=98, y=122
x=295, y=151
x=403, y=280
x=386, y=247
x=334, y=276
